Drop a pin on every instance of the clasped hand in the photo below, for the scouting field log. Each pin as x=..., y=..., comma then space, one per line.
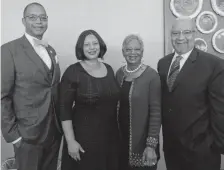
x=149, y=157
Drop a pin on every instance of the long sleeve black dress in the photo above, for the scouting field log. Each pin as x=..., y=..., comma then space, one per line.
x=90, y=103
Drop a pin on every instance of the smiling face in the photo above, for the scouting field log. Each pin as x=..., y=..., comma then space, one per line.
x=35, y=28
x=183, y=35
x=91, y=47
x=133, y=52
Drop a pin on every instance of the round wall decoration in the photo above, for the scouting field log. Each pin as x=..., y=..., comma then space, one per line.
x=201, y=44
x=206, y=22
x=218, y=6
x=218, y=41
x=186, y=8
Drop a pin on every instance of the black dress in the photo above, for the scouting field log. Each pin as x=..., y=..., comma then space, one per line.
x=94, y=118
x=124, y=125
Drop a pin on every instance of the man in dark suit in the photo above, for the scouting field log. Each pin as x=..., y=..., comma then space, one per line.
x=30, y=77
x=192, y=103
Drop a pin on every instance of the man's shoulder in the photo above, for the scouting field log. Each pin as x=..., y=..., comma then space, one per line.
x=12, y=43
x=166, y=57
x=209, y=57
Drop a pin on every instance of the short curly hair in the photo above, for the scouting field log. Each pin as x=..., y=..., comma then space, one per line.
x=80, y=42
x=132, y=37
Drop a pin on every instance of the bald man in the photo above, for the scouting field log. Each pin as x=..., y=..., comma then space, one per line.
x=192, y=103
x=30, y=77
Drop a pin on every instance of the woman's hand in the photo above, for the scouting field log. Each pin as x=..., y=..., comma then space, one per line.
x=149, y=157
x=74, y=148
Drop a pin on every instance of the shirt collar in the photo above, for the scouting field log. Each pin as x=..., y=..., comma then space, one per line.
x=30, y=39
x=185, y=56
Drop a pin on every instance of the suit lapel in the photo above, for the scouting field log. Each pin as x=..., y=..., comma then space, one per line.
x=187, y=67
x=167, y=65
x=30, y=52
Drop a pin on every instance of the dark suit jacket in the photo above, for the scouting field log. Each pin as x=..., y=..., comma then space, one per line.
x=193, y=113
x=27, y=91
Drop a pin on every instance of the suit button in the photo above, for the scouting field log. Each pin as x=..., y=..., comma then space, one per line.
x=170, y=110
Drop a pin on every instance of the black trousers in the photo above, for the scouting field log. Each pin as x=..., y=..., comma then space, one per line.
x=177, y=159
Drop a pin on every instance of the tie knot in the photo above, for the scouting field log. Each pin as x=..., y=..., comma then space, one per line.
x=179, y=57
x=40, y=42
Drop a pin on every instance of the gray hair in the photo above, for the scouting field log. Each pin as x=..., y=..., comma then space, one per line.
x=132, y=37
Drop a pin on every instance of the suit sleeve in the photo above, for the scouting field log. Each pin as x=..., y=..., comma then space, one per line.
x=8, y=116
x=216, y=98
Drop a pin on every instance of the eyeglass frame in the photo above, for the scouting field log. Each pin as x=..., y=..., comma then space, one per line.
x=37, y=16
x=183, y=32
x=129, y=50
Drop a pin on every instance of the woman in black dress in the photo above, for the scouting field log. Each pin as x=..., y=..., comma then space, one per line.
x=88, y=99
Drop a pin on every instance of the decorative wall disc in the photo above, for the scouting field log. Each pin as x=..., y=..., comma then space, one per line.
x=186, y=8
x=218, y=41
x=206, y=22
x=201, y=44
x=218, y=6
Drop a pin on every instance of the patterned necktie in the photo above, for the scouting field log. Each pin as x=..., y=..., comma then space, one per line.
x=174, y=70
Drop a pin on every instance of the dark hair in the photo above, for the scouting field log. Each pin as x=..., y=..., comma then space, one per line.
x=31, y=4
x=80, y=42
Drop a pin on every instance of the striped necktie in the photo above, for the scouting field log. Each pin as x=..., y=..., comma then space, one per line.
x=174, y=71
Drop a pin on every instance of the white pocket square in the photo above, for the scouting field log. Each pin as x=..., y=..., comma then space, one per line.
x=56, y=58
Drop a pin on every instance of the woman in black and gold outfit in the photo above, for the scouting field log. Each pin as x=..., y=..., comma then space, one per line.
x=139, y=109
x=88, y=99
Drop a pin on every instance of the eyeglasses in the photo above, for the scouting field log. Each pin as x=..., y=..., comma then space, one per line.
x=186, y=33
x=35, y=17
x=128, y=50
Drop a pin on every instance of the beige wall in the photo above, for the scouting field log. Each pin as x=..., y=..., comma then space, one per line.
x=112, y=19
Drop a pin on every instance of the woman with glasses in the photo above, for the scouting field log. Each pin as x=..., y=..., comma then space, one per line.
x=88, y=100
x=139, y=109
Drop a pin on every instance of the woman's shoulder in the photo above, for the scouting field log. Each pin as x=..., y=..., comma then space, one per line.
x=151, y=72
x=107, y=65
x=72, y=68
x=109, y=68
x=120, y=70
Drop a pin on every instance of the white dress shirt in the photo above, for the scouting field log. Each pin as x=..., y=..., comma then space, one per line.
x=40, y=50
x=182, y=61
x=43, y=54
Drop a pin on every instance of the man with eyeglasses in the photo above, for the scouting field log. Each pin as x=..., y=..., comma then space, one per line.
x=29, y=94
x=192, y=103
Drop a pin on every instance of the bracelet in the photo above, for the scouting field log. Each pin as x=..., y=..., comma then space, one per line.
x=151, y=142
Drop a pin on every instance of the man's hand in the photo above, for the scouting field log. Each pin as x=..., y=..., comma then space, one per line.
x=18, y=143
